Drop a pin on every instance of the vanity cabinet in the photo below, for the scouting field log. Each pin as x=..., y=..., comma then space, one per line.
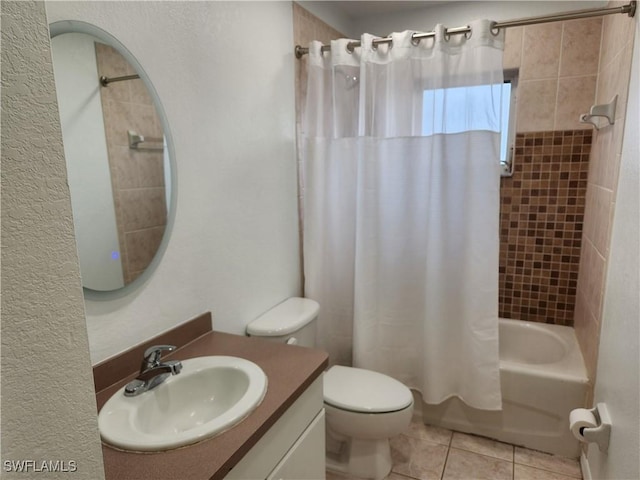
x=289, y=422
x=293, y=448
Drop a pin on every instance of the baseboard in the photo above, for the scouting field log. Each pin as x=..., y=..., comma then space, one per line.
x=584, y=465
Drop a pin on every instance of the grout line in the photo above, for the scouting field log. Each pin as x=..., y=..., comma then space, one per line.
x=403, y=475
x=483, y=454
x=446, y=459
x=547, y=469
x=555, y=106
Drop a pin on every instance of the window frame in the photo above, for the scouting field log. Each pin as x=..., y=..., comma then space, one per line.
x=506, y=165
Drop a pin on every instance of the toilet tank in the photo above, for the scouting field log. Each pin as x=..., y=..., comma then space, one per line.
x=292, y=321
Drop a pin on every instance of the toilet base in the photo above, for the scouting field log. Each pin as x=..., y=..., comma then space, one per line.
x=369, y=459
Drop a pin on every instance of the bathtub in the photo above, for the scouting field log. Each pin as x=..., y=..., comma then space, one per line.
x=543, y=378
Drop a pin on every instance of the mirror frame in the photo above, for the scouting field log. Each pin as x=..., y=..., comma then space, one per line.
x=76, y=26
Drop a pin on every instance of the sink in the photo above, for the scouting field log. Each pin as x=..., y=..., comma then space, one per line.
x=209, y=396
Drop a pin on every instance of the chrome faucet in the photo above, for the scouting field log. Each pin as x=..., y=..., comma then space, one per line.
x=152, y=371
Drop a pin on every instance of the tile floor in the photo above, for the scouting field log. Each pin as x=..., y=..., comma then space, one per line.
x=433, y=453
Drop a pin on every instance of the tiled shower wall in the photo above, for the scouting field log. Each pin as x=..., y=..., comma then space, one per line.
x=542, y=205
x=613, y=79
x=137, y=176
x=558, y=67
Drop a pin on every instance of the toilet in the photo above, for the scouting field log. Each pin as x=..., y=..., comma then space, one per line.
x=363, y=408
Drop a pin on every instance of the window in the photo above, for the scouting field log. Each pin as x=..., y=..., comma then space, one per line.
x=480, y=107
x=508, y=133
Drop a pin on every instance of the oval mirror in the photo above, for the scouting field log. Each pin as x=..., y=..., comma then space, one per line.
x=118, y=151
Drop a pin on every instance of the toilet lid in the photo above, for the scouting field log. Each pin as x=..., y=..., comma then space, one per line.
x=364, y=391
x=285, y=318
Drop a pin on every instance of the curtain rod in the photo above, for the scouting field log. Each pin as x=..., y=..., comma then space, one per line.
x=104, y=81
x=629, y=9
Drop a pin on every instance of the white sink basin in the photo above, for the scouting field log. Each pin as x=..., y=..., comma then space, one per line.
x=209, y=396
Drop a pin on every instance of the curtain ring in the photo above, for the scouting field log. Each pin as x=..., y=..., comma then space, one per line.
x=447, y=35
x=350, y=48
x=414, y=40
x=495, y=31
x=468, y=34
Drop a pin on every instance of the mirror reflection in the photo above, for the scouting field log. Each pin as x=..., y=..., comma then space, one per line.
x=117, y=160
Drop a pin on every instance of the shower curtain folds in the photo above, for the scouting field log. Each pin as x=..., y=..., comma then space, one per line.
x=401, y=198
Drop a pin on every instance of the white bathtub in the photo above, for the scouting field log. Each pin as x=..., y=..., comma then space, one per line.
x=543, y=378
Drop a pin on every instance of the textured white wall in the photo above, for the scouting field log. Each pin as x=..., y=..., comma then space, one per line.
x=617, y=381
x=48, y=403
x=224, y=72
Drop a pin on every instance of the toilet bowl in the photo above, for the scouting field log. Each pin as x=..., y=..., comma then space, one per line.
x=363, y=408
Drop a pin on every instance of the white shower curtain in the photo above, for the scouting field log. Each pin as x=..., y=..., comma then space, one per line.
x=401, y=202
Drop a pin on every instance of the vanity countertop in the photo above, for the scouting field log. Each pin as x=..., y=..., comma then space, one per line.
x=289, y=369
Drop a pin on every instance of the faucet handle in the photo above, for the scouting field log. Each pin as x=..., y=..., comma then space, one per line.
x=152, y=355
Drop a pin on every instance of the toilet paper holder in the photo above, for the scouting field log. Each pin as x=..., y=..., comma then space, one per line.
x=602, y=432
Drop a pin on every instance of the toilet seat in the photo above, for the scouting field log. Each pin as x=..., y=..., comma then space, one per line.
x=364, y=391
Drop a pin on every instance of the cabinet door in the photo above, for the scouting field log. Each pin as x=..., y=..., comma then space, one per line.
x=306, y=458
x=267, y=454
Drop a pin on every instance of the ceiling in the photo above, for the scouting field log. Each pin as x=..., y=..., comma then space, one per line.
x=363, y=8
x=357, y=9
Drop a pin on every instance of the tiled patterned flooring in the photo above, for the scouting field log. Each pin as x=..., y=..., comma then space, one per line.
x=432, y=453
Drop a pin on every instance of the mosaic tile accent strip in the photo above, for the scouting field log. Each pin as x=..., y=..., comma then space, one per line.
x=541, y=217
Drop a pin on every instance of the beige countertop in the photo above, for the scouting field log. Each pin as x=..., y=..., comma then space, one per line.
x=289, y=369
